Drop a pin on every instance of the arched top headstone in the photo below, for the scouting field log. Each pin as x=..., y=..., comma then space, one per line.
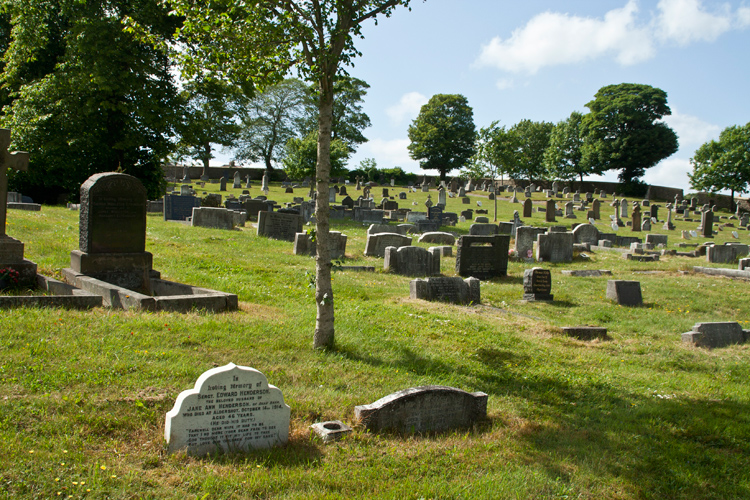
x=113, y=214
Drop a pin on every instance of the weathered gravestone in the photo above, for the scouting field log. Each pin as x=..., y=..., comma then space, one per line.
x=386, y=228
x=231, y=408
x=255, y=206
x=412, y=261
x=112, y=232
x=625, y=293
x=726, y=254
x=217, y=218
x=719, y=334
x=483, y=229
x=586, y=233
x=376, y=243
x=707, y=224
x=11, y=249
x=223, y=184
x=431, y=408
x=537, y=284
x=483, y=257
x=527, y=207
x=656, y=239
x=279, y=226
x=305, y=245
x=525, y=238
x=554, y=247
x=237, y=181
x=439, y=237
x=549, y=215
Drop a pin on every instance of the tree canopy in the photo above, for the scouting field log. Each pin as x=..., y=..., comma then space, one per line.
x=623, y=132
x=530, y=140
x=442, y=136
x=563, y=158
x=301, y=156
x=87, y=96
x=723, y=164
x=270, y=119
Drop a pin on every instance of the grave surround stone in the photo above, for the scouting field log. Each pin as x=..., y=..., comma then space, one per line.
x=423, y=409
x=715, y=335
x=412, y=261
x=231, y=408
x=585, y=332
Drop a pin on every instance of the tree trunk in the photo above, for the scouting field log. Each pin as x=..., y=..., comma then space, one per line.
x=206, y=158
x=324, y=332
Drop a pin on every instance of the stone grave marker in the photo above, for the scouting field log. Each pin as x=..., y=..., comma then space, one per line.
x=713, y=335
x=223, y=184
x=554, y=247
x=482, y=257
x=178, y=207
x=550, y=211
x=279, y=226
x=707, y=224
x=527, y=207
x=304, y=244
x=231, y=408
x=525, y=238
x=537, y=284
x=412, y=261
x=625, y=293
x=423, y=409
x=483, y=229
x=237, y=181
x=377, y=243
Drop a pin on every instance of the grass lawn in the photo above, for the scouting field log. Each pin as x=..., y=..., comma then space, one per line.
x=83, y=395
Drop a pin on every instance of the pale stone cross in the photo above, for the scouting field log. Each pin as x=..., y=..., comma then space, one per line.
x=16, y=161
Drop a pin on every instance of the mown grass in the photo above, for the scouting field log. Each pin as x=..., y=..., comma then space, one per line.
x=83, y=395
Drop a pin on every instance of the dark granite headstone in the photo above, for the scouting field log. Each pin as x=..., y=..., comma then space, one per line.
x=537, y=284
x=482, y=257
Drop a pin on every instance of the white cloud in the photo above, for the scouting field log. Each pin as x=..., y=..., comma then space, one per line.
x=389, y=153
x=554, y=39
x=407, y=108
x=685, y=21
x=670, y=172
x=505, y=83
x=692, y=131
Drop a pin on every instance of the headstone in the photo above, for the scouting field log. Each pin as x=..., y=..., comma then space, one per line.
x=569, y=214
x=707, y=224
x=595, y=208
x=624, y=208
x=223, y=184
x=514, y=199
x=668, y=223
x=586, y=233
x=178, y=207
x=305, y=245
x=482, y=257
x=377, y=243
x=237, y=184
x=646, y=225
x=714, y=335
x=442, y=200
x=625, y=293
x=483, y=229
x=386, y=228
x=217, y=218
x=112, y=232
x=550, y=212
x=525, y=238
x=439, y=237
x=231, y=408
x=527, y=207
x=402, y=195
x=726, y=254
x=279, y=226
x=537, y=284
x=264, y=182
x=412, y=261
x=636, y=220
x=430, y=408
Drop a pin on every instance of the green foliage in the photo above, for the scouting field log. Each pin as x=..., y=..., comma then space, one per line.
x=531, y=139
x=271, y=119
x=209, y=117
x=723, y=164
x=349, y=120
x=442, y=136
x=493, y=154
x=563, y=158
x=301, y=156
x=87, y=96
x=622, y=131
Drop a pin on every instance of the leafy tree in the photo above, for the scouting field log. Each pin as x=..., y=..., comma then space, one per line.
x=260, y=43
x=349, y=120
x=442, y=136
x=270, y=120
x=531, y=140
x=209, y=118
x=87, y=96
x=723, y=164
x=301, y=156
x=563, y=158
x=623, y=131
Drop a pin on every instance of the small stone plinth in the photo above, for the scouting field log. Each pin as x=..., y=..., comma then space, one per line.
x=712, y=335
x=585, y=332
x=625, y=293
x=641, y=258
x=331, y=431
x=431, y=408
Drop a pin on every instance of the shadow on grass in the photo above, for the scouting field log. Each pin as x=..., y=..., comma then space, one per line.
x=650, y=445
x=298, y=452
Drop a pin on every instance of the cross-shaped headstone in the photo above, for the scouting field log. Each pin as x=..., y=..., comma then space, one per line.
x=16, y=161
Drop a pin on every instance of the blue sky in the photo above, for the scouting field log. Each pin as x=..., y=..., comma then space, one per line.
x=543, y=59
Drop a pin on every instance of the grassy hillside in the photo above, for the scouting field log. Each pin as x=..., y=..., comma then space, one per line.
x=83, y=395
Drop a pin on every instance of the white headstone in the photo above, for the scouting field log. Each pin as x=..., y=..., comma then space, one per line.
x=479, y=203
x=591, y=221
x=735, y=234
x=231, y=407
x=694, y=233
x=615, y=227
